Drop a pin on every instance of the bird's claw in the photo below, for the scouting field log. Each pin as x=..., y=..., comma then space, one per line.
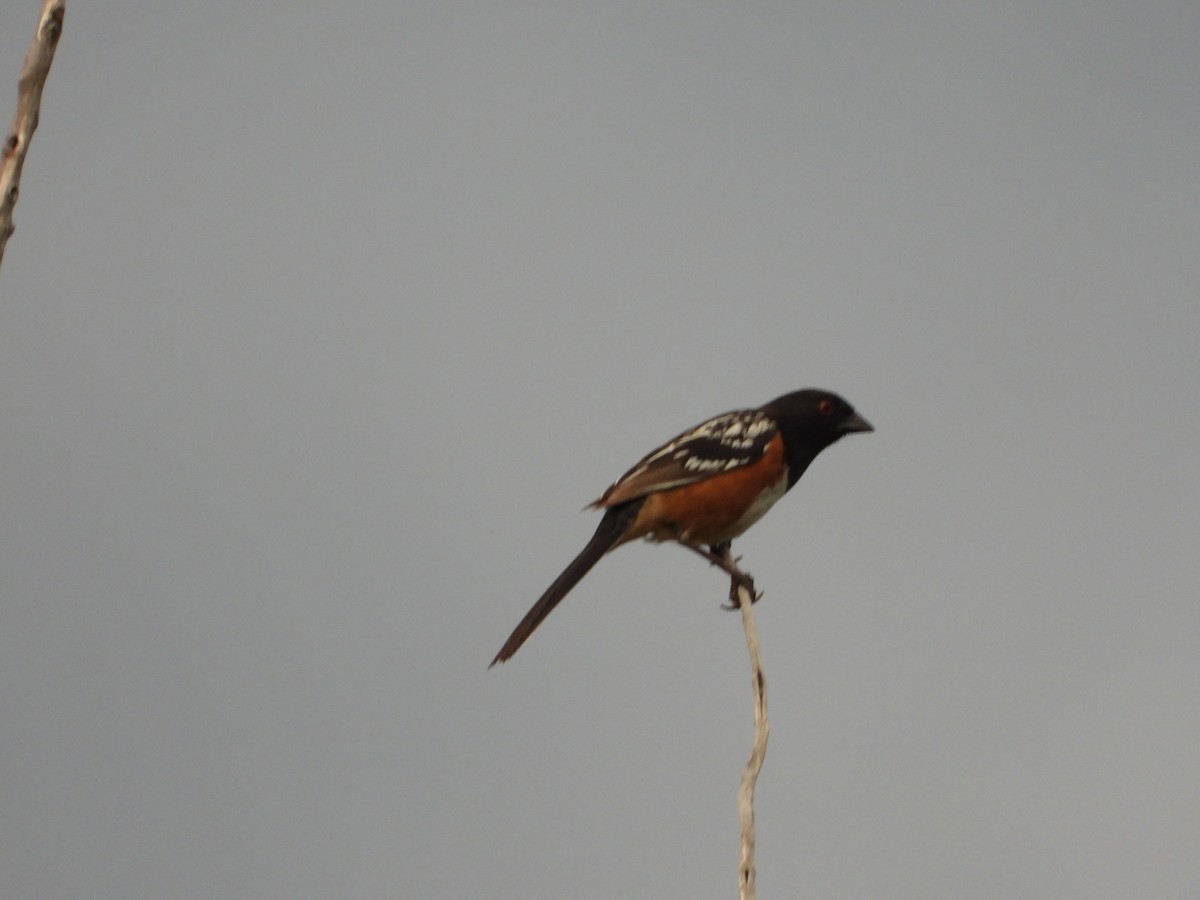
x=736, y=583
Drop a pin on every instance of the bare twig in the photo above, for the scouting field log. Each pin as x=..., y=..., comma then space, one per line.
x=742, y=586
x=29, y=102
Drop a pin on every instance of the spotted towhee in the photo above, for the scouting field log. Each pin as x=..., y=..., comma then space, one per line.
x=706, y=486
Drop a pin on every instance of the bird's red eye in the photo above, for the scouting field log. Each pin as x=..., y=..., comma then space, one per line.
x=825, y=407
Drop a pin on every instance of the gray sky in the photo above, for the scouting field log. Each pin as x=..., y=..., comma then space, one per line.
x=321, y=323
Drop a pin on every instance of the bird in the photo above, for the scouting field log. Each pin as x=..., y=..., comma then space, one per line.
x=705, y=486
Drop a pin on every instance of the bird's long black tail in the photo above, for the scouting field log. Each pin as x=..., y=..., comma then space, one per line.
x=608, y=534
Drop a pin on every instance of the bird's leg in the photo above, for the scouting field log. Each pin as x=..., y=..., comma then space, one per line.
x=721, y=556
x=738, y=577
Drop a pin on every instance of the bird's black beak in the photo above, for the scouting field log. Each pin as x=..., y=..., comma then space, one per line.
x=854, y=423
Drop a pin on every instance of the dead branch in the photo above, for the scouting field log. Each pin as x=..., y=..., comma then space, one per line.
x=741, y=592
x=29, y=103
x=758, y=751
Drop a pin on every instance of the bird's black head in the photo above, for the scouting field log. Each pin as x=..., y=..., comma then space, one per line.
x=810, y=421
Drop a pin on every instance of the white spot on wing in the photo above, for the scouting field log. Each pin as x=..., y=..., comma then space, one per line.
x=699, y=464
